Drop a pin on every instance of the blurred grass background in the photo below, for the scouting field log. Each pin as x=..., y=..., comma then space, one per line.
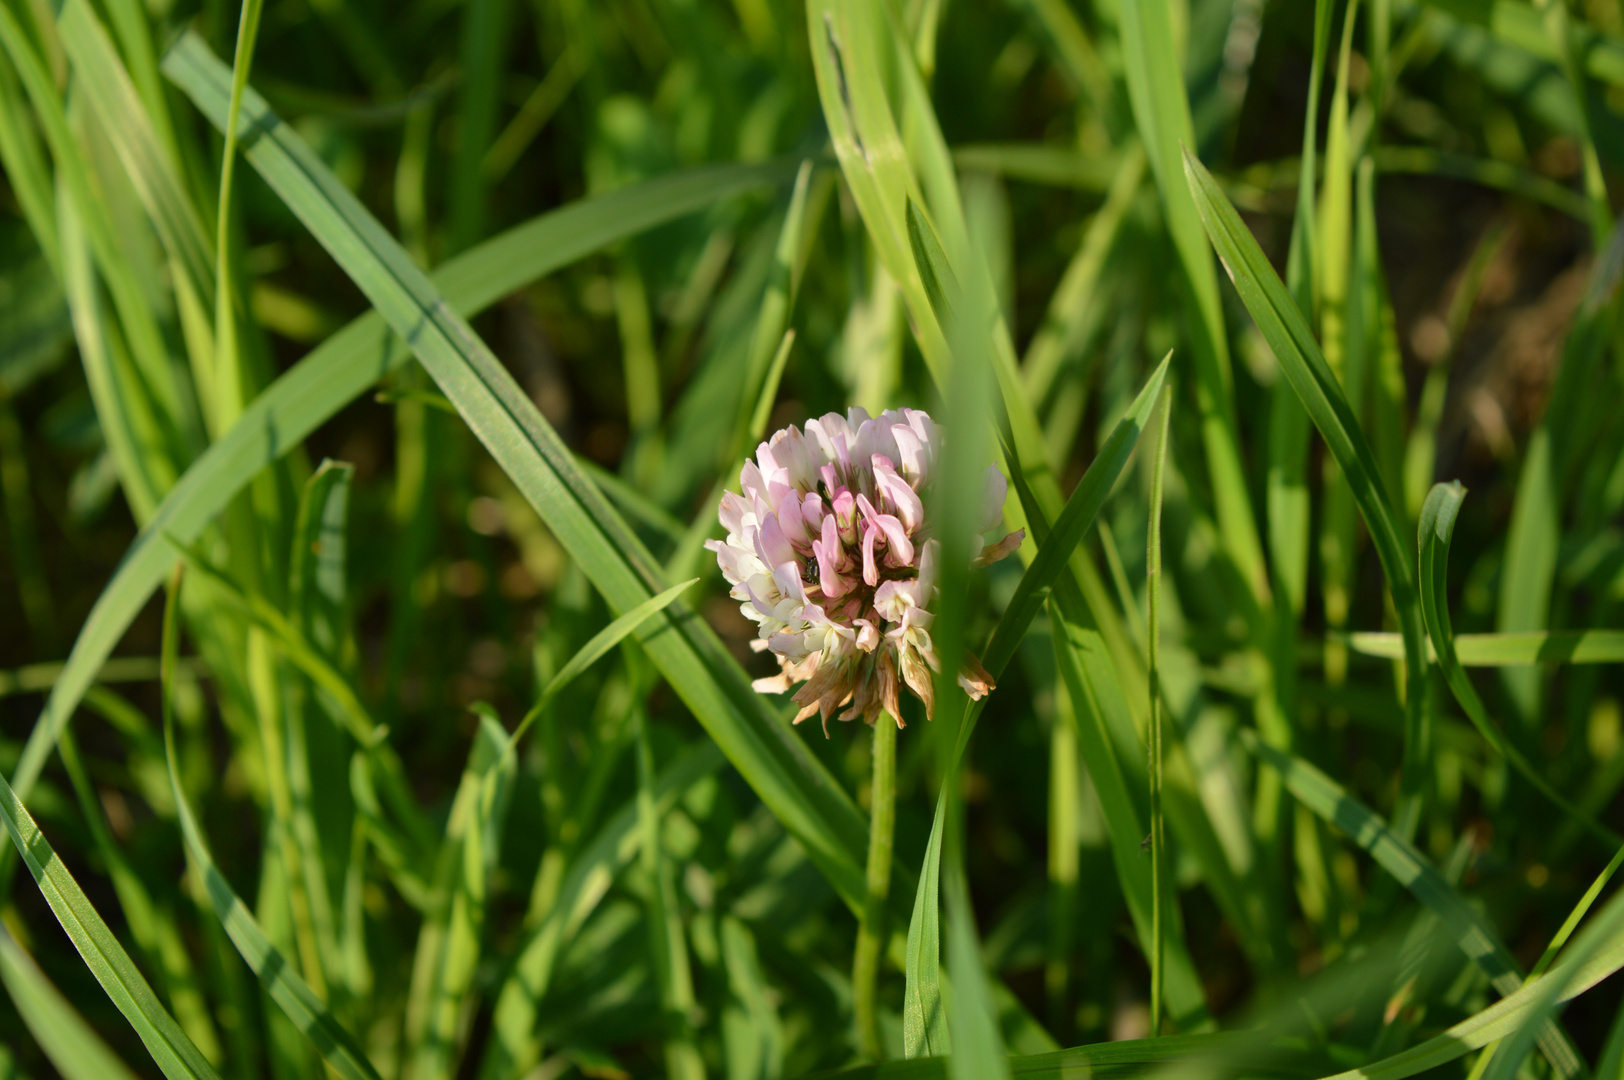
x=726, y=255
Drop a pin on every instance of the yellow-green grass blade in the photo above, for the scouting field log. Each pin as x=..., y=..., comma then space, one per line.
x=1304, y=368
x=338, y=372
x=1438, y=516
x=228, y=380
x=1098, y=702
x=125, y=119
x=924, y=1020
x=1458, y=918
x=1507, y=650
x=171, y=1050
x=1162, y=113
x=74, y=174
x=276, y=973
x=70, y=1043
x=450, y=941
x=794, y=785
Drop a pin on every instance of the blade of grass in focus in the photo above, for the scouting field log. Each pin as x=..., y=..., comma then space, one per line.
x=284, y=985
x=1476, y=938
x=1304, y=367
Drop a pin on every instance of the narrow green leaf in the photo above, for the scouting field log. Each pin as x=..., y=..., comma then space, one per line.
x=1438, y=517
x=924, y=1016
x=71, y=1044
x=1502, y=650
x=1459, y=920
x=307, y=1012
x=171, y=1050
x=1304, y=367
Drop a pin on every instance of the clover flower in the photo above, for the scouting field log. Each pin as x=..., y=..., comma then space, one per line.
x=830, y=553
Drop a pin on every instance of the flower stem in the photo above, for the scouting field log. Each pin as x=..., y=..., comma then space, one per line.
x=1158, y=840
x=871, y=928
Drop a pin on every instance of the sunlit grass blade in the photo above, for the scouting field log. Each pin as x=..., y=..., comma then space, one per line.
x=335, y=374
x=1161, y=111
x=1459, y=920
x=1158, y=834
x=307, y=1012
x=1505, y=650
x=1091, y=685
x=1438, y=517
x=70, y=1043
x=128, y=124
x=1304, y=368
x=171, y=1050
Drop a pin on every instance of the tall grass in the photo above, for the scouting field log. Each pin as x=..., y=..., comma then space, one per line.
x=371, y=395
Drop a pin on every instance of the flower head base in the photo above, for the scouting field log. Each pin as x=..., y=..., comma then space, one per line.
x=830, y=554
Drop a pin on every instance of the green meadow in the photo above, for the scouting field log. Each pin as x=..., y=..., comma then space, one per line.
x=372, y=702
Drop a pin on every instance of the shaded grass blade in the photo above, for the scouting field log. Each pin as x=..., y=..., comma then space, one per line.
x=1476, y=938
x=307, y=1012
x=1304, y=367
x=1504, y=650
x=1438, y=516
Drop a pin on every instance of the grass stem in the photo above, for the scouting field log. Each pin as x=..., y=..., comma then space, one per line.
x=871, y=929
x=1158, y=841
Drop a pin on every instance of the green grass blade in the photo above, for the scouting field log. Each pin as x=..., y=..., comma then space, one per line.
x=1506, y=650
x=924, y=1016
x=1304, y=367
x=1162, y=113
x=1158, y=833
x=171, y=1050
x=1459, y=919
x=1099, y=706
x=228, y=379
x=589, y=654
x=335, y=374
x=1438, y=516
x=307, y=1012
x=72, y=1045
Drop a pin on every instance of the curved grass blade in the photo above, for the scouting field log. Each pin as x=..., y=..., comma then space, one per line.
x=600, y=643
x=1509, y=650
x=173, y=1052
x=1438, y=515
x=924, y=1024
x=71, y=1044
x=1161, y=111
x=1476, y=938
x=307, y=1012
x=1304, y=367
x=335, y=374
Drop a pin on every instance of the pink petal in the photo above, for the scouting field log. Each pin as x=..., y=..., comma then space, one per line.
x=871, y=574
x=773, y=545
x=896, y=492
x=992, y=498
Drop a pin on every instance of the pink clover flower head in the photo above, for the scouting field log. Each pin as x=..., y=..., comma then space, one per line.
x=829, y=553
